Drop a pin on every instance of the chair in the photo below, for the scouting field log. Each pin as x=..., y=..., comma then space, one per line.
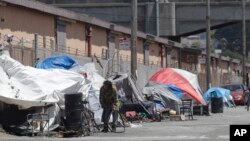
x=38, y=118
x=187, y=107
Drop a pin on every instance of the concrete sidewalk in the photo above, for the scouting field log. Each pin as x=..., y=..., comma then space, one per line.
x=203, y=128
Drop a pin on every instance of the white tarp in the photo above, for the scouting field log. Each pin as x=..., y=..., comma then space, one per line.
x=28, y=87
x=94, y=82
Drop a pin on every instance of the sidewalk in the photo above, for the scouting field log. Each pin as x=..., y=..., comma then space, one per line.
x=202, y=128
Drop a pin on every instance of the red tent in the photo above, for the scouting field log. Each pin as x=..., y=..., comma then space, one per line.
x=184, y=80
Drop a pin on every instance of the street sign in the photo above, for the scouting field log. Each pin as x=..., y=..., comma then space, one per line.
x=124, y=43
x=217, y=51
x=201, y=60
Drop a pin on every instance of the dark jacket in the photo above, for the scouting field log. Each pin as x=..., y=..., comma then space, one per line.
x=108, y=96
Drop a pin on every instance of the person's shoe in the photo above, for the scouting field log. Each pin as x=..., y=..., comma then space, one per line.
x=104, y=130
x=113, y=130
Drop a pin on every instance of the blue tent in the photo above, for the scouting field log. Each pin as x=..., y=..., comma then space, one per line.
x=216, y=92
x=219, y=92
x=58, y=61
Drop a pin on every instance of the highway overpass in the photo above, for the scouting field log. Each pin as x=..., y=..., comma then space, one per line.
x=164, y=18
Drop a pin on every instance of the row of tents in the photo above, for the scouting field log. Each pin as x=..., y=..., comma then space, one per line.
x=43, y=88
x=177, y=84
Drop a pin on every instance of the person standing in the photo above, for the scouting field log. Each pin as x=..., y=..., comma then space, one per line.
x=108, y=101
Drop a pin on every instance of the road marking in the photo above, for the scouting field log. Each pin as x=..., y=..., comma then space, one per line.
x=223, y=136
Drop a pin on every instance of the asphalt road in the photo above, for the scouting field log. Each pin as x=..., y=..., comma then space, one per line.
x=203, y=128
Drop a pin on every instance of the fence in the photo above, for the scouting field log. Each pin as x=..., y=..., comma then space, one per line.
x=27, y=52
x=218, y=79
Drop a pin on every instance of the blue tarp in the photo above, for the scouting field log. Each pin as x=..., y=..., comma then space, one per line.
x=174, y=89
x=220, y=92
x=58, y=61
x=216, y=92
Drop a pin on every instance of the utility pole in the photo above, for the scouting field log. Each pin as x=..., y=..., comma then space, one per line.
x=134, y=39
x=208, y=57
x=244, y=40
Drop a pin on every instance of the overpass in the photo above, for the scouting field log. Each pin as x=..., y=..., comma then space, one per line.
x=191, y=17
x=167, y=19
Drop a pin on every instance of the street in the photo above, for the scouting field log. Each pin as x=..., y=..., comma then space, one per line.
x=204, y=128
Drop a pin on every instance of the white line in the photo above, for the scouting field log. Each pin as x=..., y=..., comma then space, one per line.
x=223, y=136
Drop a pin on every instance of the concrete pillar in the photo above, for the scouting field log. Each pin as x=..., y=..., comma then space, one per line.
x=167, y=22
x=44, y=46
x=150, y=24
x=111, y=52
x=52, y=46
x=172, y=19
x=168, y=53
x=146, y=45
x=198, y=65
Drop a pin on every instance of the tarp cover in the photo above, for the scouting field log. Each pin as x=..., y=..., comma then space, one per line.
x=219, y=92
x=153, y=89
x=57, y=61
x=175, y=90
x=184, y=80
x=216, y=92
x=27, y=86
x=126, y=88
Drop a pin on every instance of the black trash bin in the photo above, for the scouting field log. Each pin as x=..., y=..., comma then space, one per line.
x=217, y=105
x=73, y=111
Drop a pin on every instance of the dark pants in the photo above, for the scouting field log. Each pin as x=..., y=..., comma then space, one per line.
x=107, y=110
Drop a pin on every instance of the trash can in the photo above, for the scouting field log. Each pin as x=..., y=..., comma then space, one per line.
x=73, y=111
x=217, y=105
x=205, y=109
